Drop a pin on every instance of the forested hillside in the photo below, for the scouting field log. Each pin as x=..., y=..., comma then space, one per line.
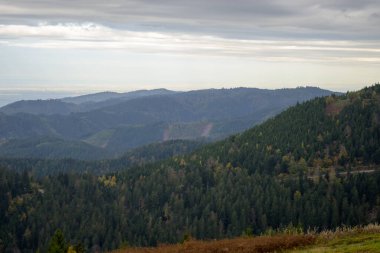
x=151, y=153
x=333, y=132
x=313, y=166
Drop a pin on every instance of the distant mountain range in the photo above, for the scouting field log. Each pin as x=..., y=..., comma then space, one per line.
x=108, y=124
x=82, y=103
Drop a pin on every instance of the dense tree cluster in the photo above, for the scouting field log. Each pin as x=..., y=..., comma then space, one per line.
x=171, y=203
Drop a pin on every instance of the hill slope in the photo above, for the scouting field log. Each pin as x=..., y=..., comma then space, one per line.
x=339, y=131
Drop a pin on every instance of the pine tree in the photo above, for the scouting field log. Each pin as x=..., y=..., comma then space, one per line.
x=57, y=243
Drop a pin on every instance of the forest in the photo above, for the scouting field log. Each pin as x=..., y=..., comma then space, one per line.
x=313, y=166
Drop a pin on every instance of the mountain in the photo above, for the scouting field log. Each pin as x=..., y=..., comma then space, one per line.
x=39, y=107
x=96, y=97
x=104, y=96
x=313, y=166
x=144, y=117
x=82, y=103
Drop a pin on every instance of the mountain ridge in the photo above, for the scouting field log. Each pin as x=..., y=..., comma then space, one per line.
x=123, y=124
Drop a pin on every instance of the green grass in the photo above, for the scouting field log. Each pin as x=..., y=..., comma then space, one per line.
x=348, y=243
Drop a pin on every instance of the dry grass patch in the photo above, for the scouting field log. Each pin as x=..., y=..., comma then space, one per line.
x=238, y=245
x=344, y=239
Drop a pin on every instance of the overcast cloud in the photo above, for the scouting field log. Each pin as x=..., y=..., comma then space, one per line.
x=324, y=19
x=323, y=34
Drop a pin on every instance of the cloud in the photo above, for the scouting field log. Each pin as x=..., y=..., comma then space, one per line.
x=298, y=30
x=95, y=36
x=195, y=42
x=322, y=19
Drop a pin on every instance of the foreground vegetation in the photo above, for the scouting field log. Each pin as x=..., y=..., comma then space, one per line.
x=349, y=240
x=239, y=245
x=357, y=239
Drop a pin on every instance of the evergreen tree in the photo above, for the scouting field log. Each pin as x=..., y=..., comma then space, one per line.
x=57, y=243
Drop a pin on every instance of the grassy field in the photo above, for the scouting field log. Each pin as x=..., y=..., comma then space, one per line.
x=359, y=239
x=358, y=243
x=365, y=239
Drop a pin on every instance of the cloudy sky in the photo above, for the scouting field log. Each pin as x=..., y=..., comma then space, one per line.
x=122, y=45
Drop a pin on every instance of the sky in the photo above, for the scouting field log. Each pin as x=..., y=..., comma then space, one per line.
x=81, y=46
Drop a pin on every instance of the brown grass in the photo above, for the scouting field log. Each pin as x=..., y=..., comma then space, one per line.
x=283, y=241
x=239, y=245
